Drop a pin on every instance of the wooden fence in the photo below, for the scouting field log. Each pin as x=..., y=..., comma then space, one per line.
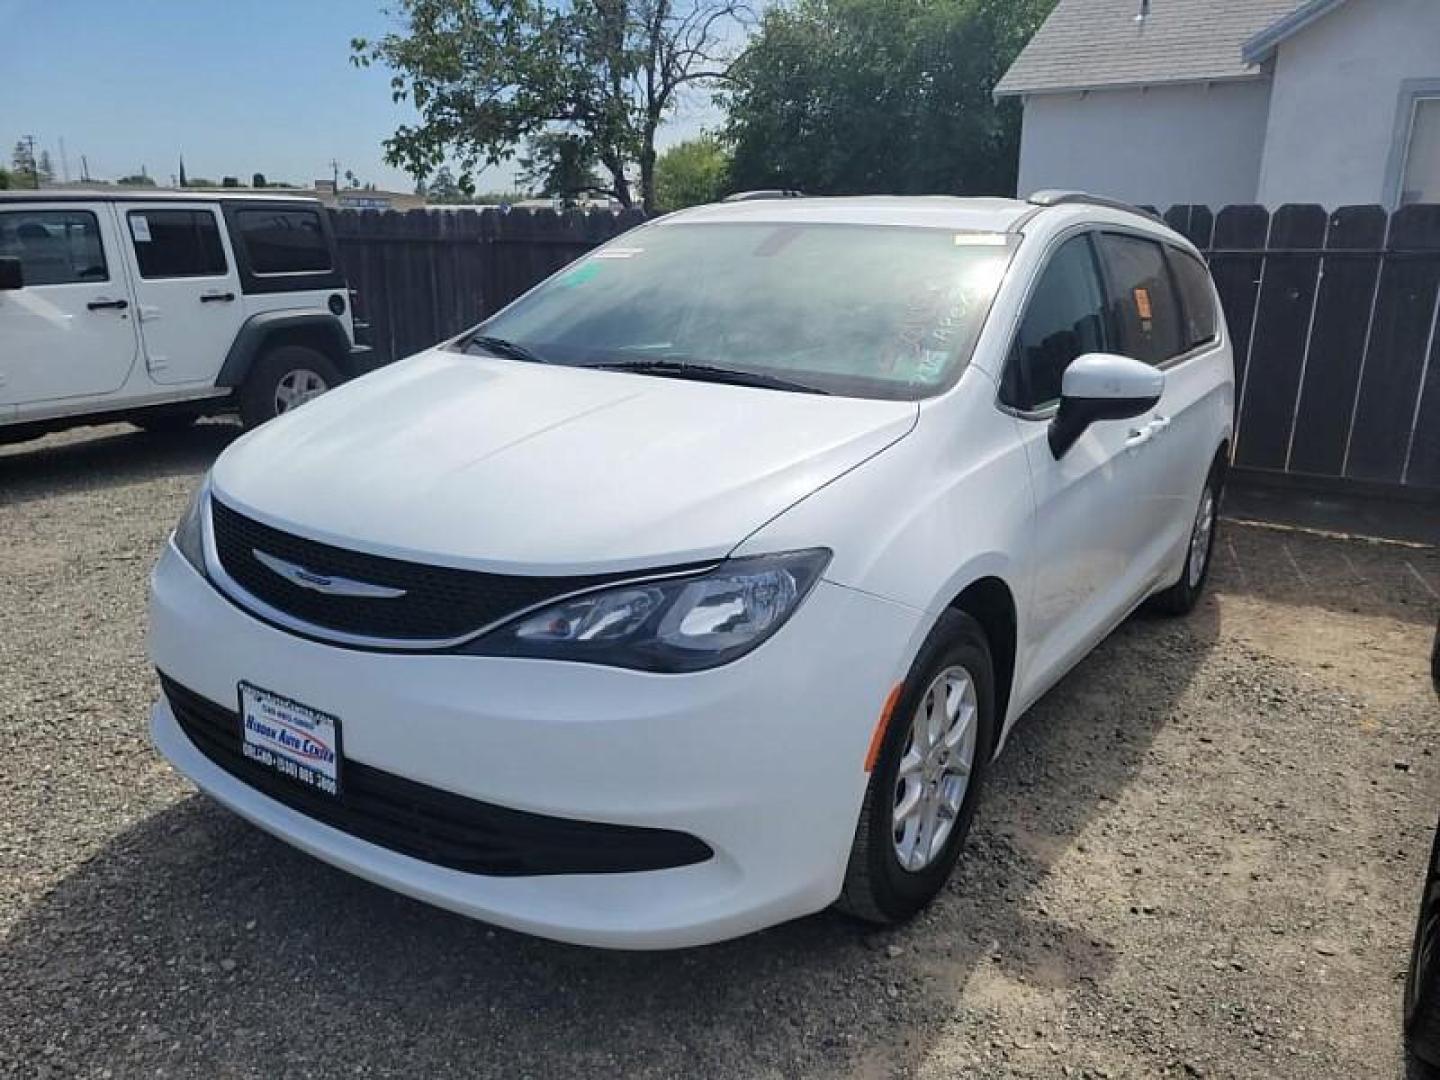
x=1333, y=316
x=425, y=275
x=1336, y=353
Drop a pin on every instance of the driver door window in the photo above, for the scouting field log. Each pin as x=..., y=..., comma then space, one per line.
x=1064, y=319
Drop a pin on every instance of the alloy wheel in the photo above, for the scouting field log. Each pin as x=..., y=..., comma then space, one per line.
x=935, y=768
x=298, y=387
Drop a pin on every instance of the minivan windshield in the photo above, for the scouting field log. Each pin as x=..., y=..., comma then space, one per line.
x=858, y=310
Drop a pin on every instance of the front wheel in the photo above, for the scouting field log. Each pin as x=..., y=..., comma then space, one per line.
x=926, y=780
x=284, y=379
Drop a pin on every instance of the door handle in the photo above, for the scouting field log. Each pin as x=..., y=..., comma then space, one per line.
x=117, y=305
x=222, y=297
x=1138, y=437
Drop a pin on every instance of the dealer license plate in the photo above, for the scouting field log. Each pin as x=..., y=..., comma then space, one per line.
x=293, y=739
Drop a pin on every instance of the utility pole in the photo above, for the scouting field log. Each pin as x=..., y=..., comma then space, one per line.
x=64, y=161
x=84, y=169
x=34, y=165
x=335, y=174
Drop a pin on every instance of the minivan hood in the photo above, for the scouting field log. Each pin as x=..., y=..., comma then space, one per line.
x=494, y=464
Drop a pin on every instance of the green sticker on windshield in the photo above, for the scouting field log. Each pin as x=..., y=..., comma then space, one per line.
x=581, y=274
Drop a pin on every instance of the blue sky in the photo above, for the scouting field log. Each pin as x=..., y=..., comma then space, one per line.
x=238, y=86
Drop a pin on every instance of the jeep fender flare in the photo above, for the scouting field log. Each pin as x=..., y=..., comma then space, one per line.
x=320, y=330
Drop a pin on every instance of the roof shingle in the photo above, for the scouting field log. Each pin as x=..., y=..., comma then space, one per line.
x=1086, y=44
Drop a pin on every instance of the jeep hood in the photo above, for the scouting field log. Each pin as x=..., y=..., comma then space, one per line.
x=498, y=465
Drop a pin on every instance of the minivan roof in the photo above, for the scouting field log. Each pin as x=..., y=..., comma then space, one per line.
x=142, y=195
x=943, y=211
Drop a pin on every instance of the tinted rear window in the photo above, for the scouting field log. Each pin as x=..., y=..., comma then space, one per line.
x=284, y=241
x=177, y=243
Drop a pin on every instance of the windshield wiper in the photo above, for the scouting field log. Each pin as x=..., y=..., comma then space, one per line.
x=504, y=348
x=674, y=369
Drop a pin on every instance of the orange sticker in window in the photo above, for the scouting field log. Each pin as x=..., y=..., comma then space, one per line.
x=1142, y=302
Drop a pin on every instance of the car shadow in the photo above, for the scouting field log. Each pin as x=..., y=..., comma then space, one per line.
x=114, y=456
x=194, y=944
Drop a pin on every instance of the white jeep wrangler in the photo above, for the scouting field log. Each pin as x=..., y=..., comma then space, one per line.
x=157, y=308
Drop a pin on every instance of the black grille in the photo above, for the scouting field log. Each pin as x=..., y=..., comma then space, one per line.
x=440, y=602
x=437, y=826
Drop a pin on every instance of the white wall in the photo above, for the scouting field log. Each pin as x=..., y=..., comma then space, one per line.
x=1162, y=145
x=1334, y=98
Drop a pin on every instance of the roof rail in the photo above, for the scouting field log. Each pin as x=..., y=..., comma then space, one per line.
x=771, y=193
x=1069, y=198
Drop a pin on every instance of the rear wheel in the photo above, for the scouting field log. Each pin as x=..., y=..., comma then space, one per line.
x=284, y=379
x=1181, y=597
x=926, y=781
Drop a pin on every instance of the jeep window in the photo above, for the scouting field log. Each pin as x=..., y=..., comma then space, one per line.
x=284, y=241
x=1143, y=306
x=55, y=247
x=177, y=243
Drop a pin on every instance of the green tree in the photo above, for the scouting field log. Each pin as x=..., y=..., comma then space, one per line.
x=7, y=179
x=858, y=96
x=139, y=179
x=487, y=77
x=258, y=180
x=692, y=172
x=443, y=188
x=562, y=166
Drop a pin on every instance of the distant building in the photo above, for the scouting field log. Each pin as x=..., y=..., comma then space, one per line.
x=1233, y=101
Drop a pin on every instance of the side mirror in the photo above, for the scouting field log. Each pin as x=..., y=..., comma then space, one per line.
x=11, y=274
x=1102, y=386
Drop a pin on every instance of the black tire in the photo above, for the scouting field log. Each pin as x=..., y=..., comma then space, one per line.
x=1422, y=981
x=1181, y=597
x=877, y=888
x=165, y=423
x=258, y=395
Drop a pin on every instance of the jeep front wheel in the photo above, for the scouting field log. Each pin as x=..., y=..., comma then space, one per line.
x=284, y=379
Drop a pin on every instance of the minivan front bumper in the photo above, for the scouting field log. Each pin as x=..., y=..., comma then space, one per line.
x=761, y=760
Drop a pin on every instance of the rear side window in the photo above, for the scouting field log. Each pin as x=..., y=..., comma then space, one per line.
x=177, y=243
x=1143, y=307
x=55, y=247
x=284, y=241
x=1064, y=319
x=1196, y=298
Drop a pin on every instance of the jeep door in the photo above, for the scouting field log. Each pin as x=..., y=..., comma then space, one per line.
x=68, y=332
x=186, y=287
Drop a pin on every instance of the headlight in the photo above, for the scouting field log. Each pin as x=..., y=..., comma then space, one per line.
x=683, y=625
x=189, y=535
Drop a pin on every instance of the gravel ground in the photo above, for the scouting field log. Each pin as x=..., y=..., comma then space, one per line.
x=1199, y=856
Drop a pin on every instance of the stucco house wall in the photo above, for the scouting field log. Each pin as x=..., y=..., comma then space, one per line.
x=1162, y=145
x=1334, y=99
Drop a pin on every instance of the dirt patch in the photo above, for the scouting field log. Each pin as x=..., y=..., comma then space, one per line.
x=1199, y=855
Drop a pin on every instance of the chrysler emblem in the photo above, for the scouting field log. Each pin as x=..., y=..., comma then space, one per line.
x=324, y=583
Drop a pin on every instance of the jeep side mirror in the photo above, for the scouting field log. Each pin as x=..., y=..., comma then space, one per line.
x=1098, y=387
x=11, y=274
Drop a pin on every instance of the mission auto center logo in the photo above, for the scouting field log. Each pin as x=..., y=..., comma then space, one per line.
x=291, y=739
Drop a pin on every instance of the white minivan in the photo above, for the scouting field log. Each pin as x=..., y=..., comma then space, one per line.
x=159, y=307
x=697, y=589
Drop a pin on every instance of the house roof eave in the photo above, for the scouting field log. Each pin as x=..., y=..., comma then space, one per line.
x=1002, y=91
x=1263, y=45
